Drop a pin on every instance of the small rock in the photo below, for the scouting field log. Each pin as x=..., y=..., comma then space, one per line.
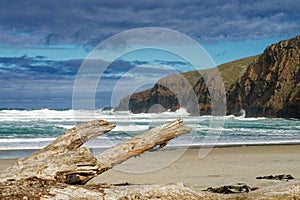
x=230, y=189
x=281, y=177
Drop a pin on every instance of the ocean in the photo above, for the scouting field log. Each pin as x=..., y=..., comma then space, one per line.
x=25, y=131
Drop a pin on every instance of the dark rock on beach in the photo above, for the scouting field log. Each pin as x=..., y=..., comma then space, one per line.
x=282, y=177
x=107, y=108
x=230, y=189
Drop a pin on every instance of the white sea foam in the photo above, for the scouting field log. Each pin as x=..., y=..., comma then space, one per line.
x=77, y=115
x=130, y=128
x=31, y=129
x=65, y=126
x=26, y=140
x=43, y=114
x=250, y=118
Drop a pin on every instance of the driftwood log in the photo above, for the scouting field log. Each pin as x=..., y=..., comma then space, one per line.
x=64, y=162
x=61, y=155
x=60, y=170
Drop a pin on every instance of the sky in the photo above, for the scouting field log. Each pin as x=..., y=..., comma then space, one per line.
x=43, y=43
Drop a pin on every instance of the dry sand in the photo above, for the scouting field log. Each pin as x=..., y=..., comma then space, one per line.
x=223, y=166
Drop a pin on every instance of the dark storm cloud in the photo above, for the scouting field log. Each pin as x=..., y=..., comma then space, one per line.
x=37, y=67
x=87, y=23
x=25, y=73
x=40, y=82
x=28, y=81
x=41, y=67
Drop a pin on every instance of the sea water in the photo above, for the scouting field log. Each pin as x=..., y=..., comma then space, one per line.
x=25, y=131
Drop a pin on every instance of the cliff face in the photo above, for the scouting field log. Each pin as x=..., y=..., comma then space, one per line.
x=167, y=94
x=271, y=85
x=153, y=100
x=264, y=85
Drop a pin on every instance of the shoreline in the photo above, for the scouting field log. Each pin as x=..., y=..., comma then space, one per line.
x=23, y=152
x=222, y=166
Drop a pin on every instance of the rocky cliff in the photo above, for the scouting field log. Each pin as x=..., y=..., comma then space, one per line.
x=263, y=85
x=271, y=85
x=169, y=93
x=187, y=90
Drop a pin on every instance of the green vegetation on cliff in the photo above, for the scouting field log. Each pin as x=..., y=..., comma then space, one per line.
x=230, y=71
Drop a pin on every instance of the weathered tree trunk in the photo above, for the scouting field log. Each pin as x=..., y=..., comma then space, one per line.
x=61, y=155
x=158, y=136
x=80, y=174
x=64, y=162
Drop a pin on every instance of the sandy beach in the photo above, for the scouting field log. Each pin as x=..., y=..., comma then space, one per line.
x=222, y=166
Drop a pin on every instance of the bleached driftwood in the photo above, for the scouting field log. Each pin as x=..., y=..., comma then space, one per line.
x=61, y=155
x=64, y=162
x=158, y=136
x=80, y=174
